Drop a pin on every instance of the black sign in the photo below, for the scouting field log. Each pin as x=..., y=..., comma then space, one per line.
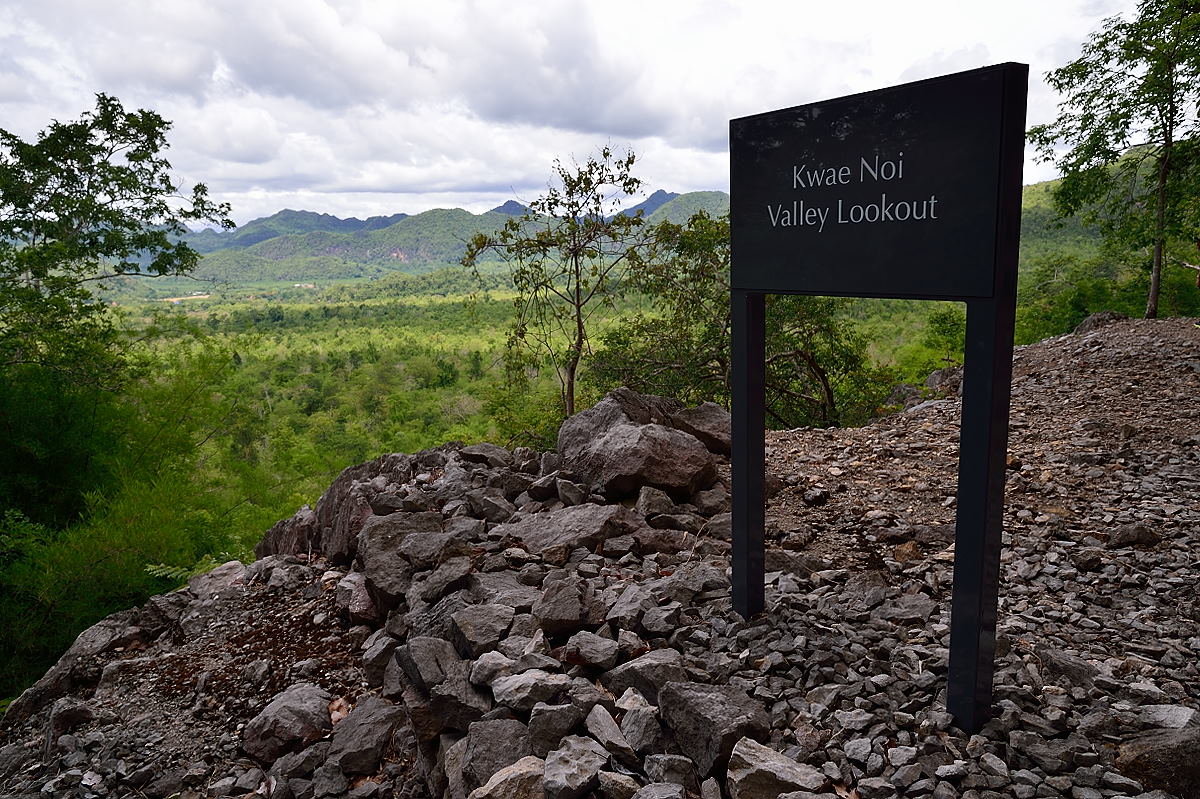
x=892, y=193
x=913, y=191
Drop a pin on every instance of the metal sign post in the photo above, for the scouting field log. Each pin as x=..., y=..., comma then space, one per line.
x=913, y=192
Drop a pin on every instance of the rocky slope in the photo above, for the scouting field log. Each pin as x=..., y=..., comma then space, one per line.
x=485, y=623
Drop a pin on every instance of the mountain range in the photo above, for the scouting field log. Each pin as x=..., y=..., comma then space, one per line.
x=307, y=246
x=303, y=245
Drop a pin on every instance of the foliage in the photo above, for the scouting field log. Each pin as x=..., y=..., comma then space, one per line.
x=568, y=256
x=946, y=333
x=1137, y=80
x=87, y=200
x=818, y=372
x=1057, y=292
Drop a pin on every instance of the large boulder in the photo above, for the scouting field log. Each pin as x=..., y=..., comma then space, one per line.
x=521, y=780
x=360, y=739
x=573, y=769
x=708, y=422
x=648, y=674
x=291, y=721
x=380, y=548
x=555, y=534
x=708, y=720
x=492, y=745
x=625, y=442
x=1166, y=759
x=756, y=771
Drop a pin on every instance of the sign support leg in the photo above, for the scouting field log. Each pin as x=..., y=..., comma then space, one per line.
x=983, y=443
x=749, y=462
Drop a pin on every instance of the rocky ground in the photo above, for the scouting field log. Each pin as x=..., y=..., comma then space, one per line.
x=485, y=623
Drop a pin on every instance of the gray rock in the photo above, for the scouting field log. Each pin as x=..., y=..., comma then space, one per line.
x=574, y=768
x=611, y=785
x=602, y=727
x=660, y=790
x=491, y=504
x=302, y=763
x=757, y=771
x=618, y=449
x=708, y=720
x=523, y=691
x=293, y=719
x=478, y=628
x=556, y=534
x=376, y=659
x=549, y=724
x=648, y=673
x=427, y=661
x=642, y=730
x=387, y=571
x=354, y=600
x=360, y=739
x=428, y=549
x=708, y=422
x=329, y=780
x=452, y=753
x=450, y=575
x=1075, y=670
x=456, y=703
x=1131, y=534
x=492, y=745
x=631, y=604
x=1169, y=716
x=909, y=609
x=562, y=608
x=570, y=493
x=1166, y=759
x=227, y=575
x=675, y=769
x=524, y=779
x=489, y=666
x=502, y=588
x=433, y=621
x=588, y=649
x=489, y=454
x=1098, y=320
x=653, y=502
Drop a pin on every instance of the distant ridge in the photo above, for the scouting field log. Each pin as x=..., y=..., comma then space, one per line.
x=511, y=208
x=681, y=207
x=651, y=204
x=305, y=246
x=285, y=223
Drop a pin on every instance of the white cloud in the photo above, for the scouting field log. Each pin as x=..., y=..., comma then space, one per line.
x=374, y=106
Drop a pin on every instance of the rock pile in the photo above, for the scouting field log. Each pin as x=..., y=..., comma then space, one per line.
x=484, y=623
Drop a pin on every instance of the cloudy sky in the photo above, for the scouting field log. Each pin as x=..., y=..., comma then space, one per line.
x=361, y=107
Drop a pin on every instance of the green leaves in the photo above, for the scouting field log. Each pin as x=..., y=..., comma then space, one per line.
x=1129, y=122
x=87, y=200
x=818, y=372
x=568, y=258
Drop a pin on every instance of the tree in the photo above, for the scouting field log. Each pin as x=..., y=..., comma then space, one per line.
x=568, y=256
x=818, y=372
x=1128, y=122
x=86, y=202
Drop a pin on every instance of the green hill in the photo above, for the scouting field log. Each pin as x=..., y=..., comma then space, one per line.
x=680, y=209
x=306, y=246
x=284, y=223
